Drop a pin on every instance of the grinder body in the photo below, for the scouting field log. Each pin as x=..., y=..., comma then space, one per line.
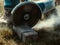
x=26, y=14
x=31, y=10
x=45, y=5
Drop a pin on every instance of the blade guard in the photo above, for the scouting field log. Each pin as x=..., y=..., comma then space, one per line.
x=26, y=13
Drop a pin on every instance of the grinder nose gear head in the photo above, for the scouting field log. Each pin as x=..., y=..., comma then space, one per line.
x=26, y=13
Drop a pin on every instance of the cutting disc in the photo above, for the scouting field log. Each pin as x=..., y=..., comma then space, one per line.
x=26, y=13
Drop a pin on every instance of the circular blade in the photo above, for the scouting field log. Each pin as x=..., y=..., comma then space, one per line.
x=26, y=13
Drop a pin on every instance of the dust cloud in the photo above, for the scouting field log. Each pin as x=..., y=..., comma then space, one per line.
x=49, y=24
